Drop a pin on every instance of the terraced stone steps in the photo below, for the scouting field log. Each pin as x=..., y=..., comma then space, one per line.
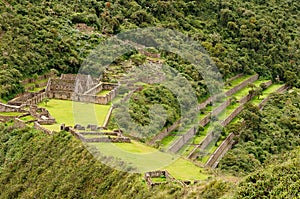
x=227, y=143
x=228, y=114
x=185, y=136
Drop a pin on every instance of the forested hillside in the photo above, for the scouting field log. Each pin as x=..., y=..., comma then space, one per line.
x=261, y=36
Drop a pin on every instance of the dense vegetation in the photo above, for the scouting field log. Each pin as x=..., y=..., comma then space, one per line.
x=35, y=165
x=272, y=131
x=259, y=36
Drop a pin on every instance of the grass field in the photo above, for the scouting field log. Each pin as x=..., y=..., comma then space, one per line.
x=10, y=113
x=103, y=92
x=236, y=82
x=146, y=158
x=271, y=89
x=27, y=118
x=71, y=113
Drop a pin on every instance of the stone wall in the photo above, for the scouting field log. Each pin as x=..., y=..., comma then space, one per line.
x=19, y=123
x=182, y=140
x=232, y=115
x=6, y=118
x=204, y=121
x=220, y=108
x=101, y=86
x=107, y=139
x=235, y=77
x=108, y=116
x=10, y=108
x=37, y=126
x=165, y=132
x=242, y=85
x=214, y=159
x=229, y=92
x=28, y=98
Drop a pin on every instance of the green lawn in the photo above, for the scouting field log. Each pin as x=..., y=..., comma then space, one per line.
x=168, y=139
x=226, y=112
x=103, y=92
x=159, y=179
x=271, y=89
x=185, y=170
x=27, y=118
x=146, y=158
x=71, y=113
x=10, y=114
x=37, y=89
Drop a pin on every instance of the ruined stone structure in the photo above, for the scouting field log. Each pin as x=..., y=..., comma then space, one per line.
x=43, y=116
x=28, y=98
x=158, y=174
x=80, y=88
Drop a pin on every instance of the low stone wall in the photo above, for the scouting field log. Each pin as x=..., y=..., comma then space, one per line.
x=214, y=159
x=232, y=115
x=282, y=89
x=6, y=118
x=268, y=83
x=105, y=123
x=165, y=132
x=28, y=98
x=37, y=126
x=220, y=108
x=10, y=108
x=229, y=92
x=19, y=123
x=101, y=86
x=242, y=85
x=183, y=139
x=63, y=95
x=235, y=77
x=203, y=122
x=94, y=98
x=100, y=133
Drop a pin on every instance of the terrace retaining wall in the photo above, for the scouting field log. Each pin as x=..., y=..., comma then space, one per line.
x=242, y=85
x=37, y=126
x=164, y=132
x=220, y=151
x=183, y=139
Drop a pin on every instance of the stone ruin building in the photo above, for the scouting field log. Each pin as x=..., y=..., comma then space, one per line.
x=81, y=88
